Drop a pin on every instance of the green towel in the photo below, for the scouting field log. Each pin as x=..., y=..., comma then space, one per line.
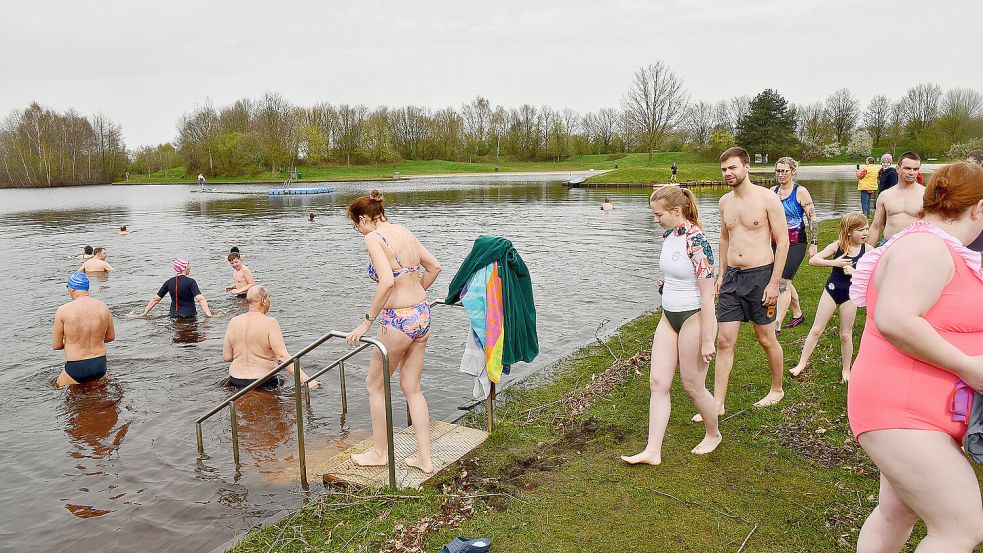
x=521, y=342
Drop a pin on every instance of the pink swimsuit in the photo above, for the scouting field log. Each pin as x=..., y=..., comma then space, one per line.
x=890, y=390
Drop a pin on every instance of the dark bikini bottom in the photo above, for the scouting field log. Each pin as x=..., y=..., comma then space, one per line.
x=271, y=384
x=86, y=370
x=677, y=318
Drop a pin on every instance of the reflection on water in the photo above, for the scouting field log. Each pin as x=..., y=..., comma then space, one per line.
x=132, y=470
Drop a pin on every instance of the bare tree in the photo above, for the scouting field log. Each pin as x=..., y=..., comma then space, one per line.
x=196, y=133
x=351, y=130
x=842, y=111
x=738, y=108
x=878, y=117
x=920, y=106
x=655, y=103
x=476, y=119
x=700, y=121
x=961, y=109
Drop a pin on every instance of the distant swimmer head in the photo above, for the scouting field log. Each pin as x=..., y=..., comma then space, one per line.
x=311, y=216
x=234, y=249
x=180, y=265
x=79, y=282
x=87, y=250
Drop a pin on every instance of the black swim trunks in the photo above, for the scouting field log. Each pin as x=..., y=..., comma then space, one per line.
x=86, y=370
x=740, y=296
x=272, y=384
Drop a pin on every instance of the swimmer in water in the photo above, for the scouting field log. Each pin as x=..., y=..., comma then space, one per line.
x=86, y=253
x=96, y=263
x=254, y=344
x=82, y=329
x=123, y=231
x=311, y=217
x=242, y=277
x=184, y=293
x=606, y=205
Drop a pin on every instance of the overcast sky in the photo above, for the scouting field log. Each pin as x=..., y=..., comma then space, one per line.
x=144, y=64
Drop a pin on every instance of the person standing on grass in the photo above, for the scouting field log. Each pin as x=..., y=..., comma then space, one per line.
x=923, y=341
x=674, y=169
x=685, y=334
x=900, y=205
x=750, y=270
x=867, y=184
x=799, y=210
x=846, y=251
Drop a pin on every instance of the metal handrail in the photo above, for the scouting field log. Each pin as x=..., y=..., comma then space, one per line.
x=302, y=387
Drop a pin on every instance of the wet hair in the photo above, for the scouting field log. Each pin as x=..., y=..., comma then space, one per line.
x=369, y=206
x=792, y=164
x=953, y=189
x=976, y=156
x=909, y=155
x=96, y=251
x=855, y=220
x=234, y=249
x=607, y=200
x=122, y=227
x=233, y=256
x=736, y=151
x=87, y=250
x=677, y=196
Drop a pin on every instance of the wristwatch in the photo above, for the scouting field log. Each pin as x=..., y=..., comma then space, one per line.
x=369, y=319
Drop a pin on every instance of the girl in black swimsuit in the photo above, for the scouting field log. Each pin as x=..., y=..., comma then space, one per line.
x=836, y=295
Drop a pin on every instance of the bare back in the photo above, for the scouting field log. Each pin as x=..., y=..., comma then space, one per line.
x=901, y=207
x=749, y=226
x=256, y=344
x=82, y=328
x=407, y=289
x=95, y=265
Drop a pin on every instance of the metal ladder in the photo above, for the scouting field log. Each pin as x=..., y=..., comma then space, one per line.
x=301, y=390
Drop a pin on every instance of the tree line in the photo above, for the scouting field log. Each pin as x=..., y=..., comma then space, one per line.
x=656, y=112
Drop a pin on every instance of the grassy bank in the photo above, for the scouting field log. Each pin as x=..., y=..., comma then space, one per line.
x=409, y=168
x=788, y=478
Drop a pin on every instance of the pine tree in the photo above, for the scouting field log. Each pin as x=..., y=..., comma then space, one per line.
x=769, y=126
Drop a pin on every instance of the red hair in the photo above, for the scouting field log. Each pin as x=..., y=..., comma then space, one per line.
x=954, y=188
x=370, y=206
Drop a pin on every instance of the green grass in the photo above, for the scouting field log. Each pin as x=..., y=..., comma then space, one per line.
x=790, y=477
x=410, y=167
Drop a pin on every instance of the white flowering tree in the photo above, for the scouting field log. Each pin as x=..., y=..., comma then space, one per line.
x=860, y=145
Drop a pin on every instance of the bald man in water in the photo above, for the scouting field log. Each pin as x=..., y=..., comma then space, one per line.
x=254, y=344
x=82, y=329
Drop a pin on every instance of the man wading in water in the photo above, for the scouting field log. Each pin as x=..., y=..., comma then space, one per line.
x=82, y=329
x=750, y=272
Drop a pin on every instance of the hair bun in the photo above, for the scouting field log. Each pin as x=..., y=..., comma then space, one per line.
x=375, y=195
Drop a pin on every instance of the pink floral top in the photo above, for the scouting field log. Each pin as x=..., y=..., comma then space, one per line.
x=697, y=247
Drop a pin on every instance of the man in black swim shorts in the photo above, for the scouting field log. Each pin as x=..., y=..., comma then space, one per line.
x=748, y=286
x=82, y=329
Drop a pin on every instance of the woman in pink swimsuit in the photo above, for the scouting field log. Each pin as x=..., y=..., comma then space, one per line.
x=924, y=294
x=403, y=271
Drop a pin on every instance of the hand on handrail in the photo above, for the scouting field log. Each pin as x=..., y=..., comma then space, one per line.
x=355, y=335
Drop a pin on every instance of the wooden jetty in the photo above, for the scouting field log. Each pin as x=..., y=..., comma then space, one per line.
x=685, y=184
x=450, y=443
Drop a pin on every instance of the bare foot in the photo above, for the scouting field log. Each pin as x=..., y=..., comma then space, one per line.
x=645, y=457
x=797, y=370
x=845, y=377
x=708, y=444
x=369, y=459
x=772, y=398
x=427, y=467
x=699, y=418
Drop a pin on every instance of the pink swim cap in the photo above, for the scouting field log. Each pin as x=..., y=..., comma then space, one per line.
x=180, y=265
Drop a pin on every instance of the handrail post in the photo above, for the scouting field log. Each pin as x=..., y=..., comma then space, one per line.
x=344, y=391
x=235, y=433
x=387, y=387
x=201, y=446
x=490, y=410
x=298, y=387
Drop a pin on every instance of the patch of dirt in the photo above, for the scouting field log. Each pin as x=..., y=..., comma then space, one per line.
x=802, y=432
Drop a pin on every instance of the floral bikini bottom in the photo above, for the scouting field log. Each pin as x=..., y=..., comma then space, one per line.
x=411, y=321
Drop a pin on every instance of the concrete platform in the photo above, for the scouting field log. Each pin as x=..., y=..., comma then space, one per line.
x=450, y=443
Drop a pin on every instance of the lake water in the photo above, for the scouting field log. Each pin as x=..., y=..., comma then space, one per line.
x=115, y=468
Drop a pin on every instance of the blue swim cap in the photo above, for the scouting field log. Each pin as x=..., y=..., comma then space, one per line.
x=78, y=281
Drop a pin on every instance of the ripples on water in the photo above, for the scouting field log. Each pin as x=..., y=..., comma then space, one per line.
x=95, y=467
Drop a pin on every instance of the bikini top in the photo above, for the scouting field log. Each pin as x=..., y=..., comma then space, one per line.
x=402, y=270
